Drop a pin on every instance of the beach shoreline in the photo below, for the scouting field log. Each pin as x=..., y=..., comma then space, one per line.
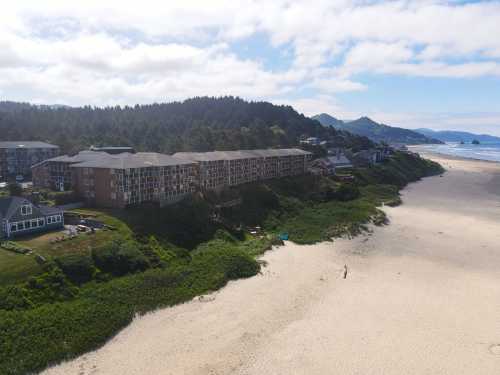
x=421, y=296
x=433, y=154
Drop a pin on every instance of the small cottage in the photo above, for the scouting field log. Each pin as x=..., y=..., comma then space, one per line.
x=19, y=216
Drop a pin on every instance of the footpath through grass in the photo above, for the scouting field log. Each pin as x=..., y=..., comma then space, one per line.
x=90, y=289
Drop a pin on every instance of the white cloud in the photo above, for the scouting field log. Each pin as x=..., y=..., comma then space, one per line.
x=126, y=52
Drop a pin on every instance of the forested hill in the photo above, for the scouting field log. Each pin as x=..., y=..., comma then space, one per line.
x=198, y=124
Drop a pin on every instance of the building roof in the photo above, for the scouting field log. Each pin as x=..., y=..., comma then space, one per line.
x=10, y=205
x=339, y=160
x=113, y=149
x=240, y=154
x=26, y=144
x=95, y=148
x=94, y=159
x=127, y=160
x=78, y=158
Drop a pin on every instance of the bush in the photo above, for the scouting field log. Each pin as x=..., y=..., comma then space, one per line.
x=14, y=297
x=217, y=262
x=34, y=338
x=14, y=247
x=346, y=192
x=64, y=197
x=156, y=253
x=119, y=258
x=77, y=267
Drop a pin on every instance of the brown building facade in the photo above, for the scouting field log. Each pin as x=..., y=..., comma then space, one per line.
x=129, y=179
x=57, y=174
x=220, y=169
x=105, y=180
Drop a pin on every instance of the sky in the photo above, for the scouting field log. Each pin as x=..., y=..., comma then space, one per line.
x=423, y=63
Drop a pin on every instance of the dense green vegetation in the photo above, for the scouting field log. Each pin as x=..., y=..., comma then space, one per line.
x=198, y=124
x=90, y=289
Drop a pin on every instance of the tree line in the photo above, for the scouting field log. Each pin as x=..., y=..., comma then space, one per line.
x=197, y=124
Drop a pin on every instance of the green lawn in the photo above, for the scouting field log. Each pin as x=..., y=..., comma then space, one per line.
x=16, y=267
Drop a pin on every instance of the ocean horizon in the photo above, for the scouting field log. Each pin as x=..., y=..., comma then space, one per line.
x=483, y=151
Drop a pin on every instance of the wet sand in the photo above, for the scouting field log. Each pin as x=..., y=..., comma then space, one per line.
x=421, y=296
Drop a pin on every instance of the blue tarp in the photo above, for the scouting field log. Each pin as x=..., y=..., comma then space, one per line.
x=284, y=236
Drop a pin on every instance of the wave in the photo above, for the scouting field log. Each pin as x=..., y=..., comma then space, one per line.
x=487, y=151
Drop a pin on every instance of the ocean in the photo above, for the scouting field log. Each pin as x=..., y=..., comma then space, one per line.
x=484, y=151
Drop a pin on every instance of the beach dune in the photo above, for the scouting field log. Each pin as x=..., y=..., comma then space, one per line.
x=421, y=296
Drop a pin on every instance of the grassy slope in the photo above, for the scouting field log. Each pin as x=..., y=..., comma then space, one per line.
x=15, y=267
x=33, y=338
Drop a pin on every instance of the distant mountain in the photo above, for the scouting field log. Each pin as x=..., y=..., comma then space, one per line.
x=377, y=132
x=327, y=120
x=458, y=136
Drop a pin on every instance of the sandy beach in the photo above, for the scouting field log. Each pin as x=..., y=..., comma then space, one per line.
x=422, y=296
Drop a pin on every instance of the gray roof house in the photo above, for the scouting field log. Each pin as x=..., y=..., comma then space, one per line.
x=19, y=216
x=338, y=159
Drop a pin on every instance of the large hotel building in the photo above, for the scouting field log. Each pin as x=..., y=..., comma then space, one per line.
x=105, y=180
x=220, y=169
x=16, y=158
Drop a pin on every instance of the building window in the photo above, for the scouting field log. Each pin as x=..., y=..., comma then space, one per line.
x=54, y=219
x=26, y=209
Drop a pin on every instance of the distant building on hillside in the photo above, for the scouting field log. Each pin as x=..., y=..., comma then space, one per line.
x=113, y=150
x=366, y=158
x=338, y=158
x=399, y=147
x=19, y=216
x=327, y=166
x=16, y=158
x=312, y=141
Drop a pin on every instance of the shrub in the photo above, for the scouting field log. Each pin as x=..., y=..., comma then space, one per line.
x=225, y=262
x=51, y=286
x=157, y=255
x=78, y=268
x=64, y=197
x=347, y=192
x=119, y=258
x=14, y=297
x=14, y=247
